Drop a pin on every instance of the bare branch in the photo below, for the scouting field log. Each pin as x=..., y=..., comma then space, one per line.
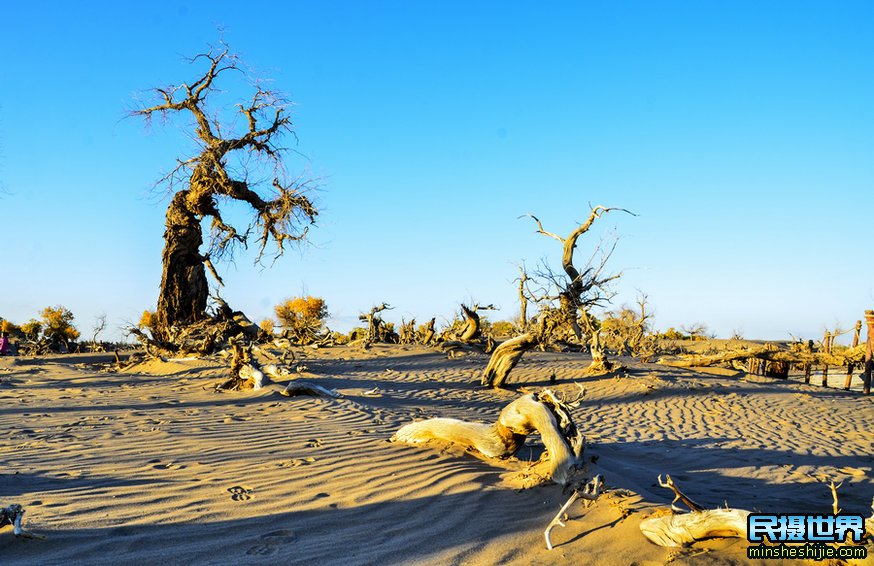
x=678, y=495
x=590, y=493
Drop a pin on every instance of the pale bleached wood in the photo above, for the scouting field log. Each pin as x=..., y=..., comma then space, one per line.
x=590, y=493
x=502, y=439
x=505, y=357
x=685, y=528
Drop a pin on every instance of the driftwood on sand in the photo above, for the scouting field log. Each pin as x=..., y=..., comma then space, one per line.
x=678, y=528
x=590, y=493
x=14, y=515
x=247, y=373
x=539, y=412
x=850, y=355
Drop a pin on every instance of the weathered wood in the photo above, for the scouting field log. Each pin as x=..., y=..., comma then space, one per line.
x=505, y=357
x=851, y=366
x=523, y=299
x=527, y=414
x=807, y=366
x=296, y=388
x=869, y=353
x=680, y=529
x=428, y=333
x=589, y=493
x=762, y=352
x=14, y=515
x=826, y=345
x=685, y=528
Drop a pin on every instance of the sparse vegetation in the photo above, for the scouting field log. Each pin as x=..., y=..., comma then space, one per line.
x=58, y=325
x=302, y=318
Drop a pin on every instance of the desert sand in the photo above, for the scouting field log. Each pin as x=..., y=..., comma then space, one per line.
x=151, y=466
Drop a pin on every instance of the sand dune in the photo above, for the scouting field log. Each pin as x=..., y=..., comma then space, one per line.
x=151, y=466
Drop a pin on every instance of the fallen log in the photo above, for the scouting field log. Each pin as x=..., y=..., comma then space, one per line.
x=850, y=355
x=541, y=412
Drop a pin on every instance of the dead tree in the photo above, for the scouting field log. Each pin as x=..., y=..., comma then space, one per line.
x=523, y=298
x=223, y=171
x=99, y=326
x=427, y=332
x=472, y=328
x=542, y=412
x=374, y=324
x=408, y=334
x=770, y=353
x=581, y=290
x=505, y=357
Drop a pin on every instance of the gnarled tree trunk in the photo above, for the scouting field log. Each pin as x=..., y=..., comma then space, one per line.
x=505, y=357
x=527, y=414
x=184, y=289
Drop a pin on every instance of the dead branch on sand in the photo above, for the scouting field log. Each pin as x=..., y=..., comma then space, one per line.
x=13, y=515
x=679, y=528
x=768, y=353
x=590, y=493
x=542, y=412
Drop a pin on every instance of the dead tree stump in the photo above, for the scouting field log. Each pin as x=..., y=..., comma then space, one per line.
x=851, y=366
x=869, y=353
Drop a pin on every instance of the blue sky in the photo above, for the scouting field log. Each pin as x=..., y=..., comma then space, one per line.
x=741, y=133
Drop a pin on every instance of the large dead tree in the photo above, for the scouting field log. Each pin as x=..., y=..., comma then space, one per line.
x=579, y=289
x=226, y=168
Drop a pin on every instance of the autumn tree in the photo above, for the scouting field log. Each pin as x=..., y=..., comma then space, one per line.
x=239, y=159
x=31, y=329
x=302, y=317
x=58, y=325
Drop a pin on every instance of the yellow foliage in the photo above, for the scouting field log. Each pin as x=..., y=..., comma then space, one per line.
x=147, y=320
x=31, y=328
x=267, y=325
x=58, y=323
x=303, y=317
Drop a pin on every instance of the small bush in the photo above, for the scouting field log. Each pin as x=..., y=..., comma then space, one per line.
x=301, y=317
x=267, y=325
x=31, y=329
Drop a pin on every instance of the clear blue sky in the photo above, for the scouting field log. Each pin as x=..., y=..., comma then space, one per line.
x=742, y=133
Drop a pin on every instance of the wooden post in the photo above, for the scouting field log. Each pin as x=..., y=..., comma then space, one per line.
x=807, y=366
x=826, y=346
x=869, y=353
x=850, y=366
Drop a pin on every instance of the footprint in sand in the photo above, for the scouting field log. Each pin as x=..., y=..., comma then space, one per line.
x=313, y=443
x=241, y=493
x=271, y=542
x=296, y=462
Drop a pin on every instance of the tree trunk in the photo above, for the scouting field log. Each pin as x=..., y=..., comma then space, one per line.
x=472, y=324
x=505, y=357
x=527, y=414
x=184, y=289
